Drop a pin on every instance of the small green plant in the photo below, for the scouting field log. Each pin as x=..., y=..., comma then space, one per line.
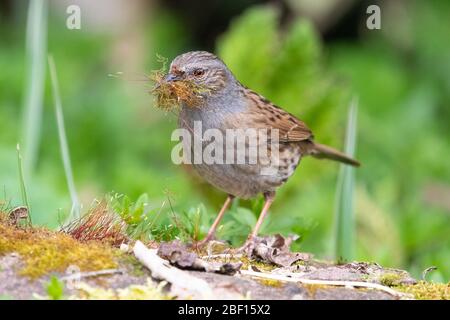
x=191, y=224
x=131, y=212
x=143, y=222
x=137, y=215
x=55, y=288
x=165, y=224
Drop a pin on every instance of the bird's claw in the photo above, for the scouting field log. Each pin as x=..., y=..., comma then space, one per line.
x=247, y=247
x=200, y=244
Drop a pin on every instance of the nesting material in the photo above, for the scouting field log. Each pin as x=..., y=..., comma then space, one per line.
x=170, y=95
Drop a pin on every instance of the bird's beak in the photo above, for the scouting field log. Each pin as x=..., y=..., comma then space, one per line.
x=171, y=78
x=167, y=79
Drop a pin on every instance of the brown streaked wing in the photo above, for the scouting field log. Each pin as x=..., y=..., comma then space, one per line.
x=264, y=114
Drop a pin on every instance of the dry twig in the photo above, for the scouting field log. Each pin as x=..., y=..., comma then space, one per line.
x=81, y=275
x=181, y=281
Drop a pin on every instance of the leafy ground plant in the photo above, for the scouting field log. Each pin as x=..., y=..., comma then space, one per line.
x=55, y=289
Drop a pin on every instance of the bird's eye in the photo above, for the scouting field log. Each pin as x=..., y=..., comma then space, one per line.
x=199, y=72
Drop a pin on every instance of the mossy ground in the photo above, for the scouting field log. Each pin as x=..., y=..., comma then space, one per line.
x=44, y=251
x=390, y=279
x=427, y=290
x=422, y=290
x=272, y=283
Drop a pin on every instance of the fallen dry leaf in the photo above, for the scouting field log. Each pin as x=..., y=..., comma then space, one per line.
x=275, y=249
x=178, y=255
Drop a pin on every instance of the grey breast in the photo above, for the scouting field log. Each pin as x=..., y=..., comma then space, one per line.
x=243, y=180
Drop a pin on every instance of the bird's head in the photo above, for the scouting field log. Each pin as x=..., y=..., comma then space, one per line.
x=199, y=67
x=193, y=77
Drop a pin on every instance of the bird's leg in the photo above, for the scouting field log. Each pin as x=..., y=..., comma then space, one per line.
x=269, y=198
x=214, y=226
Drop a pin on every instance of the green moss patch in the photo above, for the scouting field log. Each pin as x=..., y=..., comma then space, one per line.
x=253, y=263
x=44, y=251
x=427, y=290
x=390, y=279
x=272, y=283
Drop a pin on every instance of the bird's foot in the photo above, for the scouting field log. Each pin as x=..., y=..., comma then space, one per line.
x=247, y=247
x=211, y=246
x=200, y=245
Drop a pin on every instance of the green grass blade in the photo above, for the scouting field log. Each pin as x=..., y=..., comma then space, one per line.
x=344, y=216
x=23, y=189
x=75, y=211
x=36, y=48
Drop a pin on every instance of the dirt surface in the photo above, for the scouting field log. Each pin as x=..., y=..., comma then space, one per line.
x=15, y=286
x=116, y=267
x=257, y=290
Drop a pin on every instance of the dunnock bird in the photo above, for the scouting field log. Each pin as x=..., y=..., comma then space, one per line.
x=227, y=104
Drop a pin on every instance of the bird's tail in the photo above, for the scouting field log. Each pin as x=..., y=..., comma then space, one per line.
x=322, y=151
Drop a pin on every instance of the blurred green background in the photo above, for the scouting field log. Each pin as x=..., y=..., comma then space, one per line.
x=310, y=57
